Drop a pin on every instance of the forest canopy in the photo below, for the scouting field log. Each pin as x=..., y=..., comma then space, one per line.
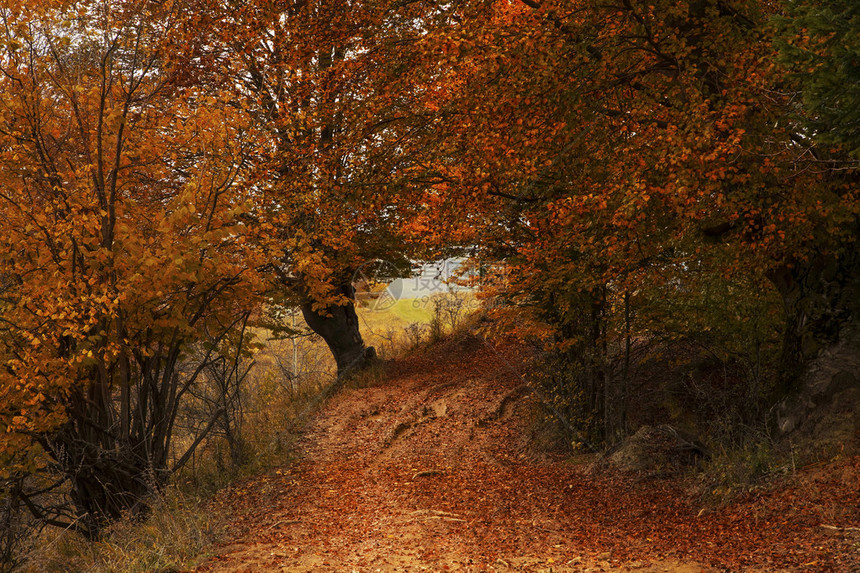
x=642, y=171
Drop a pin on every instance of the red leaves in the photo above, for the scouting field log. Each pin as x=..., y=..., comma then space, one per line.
x=357, y=501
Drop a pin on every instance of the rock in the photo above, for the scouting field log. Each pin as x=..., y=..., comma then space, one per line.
x=824, y=416
x=655, y=448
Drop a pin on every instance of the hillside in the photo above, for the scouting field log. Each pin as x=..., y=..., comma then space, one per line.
x=434, y=467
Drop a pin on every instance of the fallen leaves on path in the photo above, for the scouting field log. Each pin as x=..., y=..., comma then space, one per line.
x=432, y=470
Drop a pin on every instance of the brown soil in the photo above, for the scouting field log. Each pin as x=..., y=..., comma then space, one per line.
x=433, y=470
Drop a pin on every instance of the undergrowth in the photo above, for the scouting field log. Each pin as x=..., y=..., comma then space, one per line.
x=735, y=469
x=369, y=377
x=174, y=537
x=287, y=385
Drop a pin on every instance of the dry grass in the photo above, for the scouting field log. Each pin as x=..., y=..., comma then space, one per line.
x=386, y=330
x=410, y=322
x=174, y=537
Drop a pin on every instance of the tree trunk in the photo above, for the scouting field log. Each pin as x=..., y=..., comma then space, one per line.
x=615, y=409
x=110, y=485
x=821, y=349
x=338, y=326
x=106, y=483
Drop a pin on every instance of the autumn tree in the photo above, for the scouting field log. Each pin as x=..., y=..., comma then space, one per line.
x=329, y=83
x=124, y=258
x=602, y=149
x=819, y=47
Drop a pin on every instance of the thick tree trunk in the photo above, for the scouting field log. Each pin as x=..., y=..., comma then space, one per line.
x=106, y=483
x=111, y=476
x=338, y=326
x=110, y=485
x=821, y=352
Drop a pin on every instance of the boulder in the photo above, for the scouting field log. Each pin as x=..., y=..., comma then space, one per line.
x=659, y=448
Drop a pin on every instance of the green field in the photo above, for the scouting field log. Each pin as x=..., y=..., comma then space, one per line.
x=412, y=310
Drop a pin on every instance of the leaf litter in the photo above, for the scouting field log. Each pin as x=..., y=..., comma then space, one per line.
x=420, y=473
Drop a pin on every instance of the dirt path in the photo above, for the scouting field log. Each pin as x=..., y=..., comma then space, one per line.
x=433, y=470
